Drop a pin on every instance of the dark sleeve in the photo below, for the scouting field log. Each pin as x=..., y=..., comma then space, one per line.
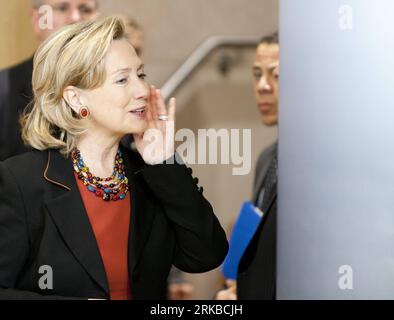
x=14, y=242
x=201, y=243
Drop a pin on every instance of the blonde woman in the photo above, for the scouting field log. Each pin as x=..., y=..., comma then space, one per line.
x=81, y=217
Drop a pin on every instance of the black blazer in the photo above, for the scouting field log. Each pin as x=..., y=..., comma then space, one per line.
x=43, y=222
x=15, y=94
x=257, y=269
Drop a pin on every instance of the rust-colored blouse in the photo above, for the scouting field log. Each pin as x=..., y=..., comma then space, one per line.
x=110, y=222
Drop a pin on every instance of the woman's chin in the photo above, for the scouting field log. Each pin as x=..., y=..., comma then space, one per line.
x=139, y=127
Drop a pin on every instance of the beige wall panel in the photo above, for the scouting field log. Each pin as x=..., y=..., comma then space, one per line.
x=174, y=28
x=17, y=41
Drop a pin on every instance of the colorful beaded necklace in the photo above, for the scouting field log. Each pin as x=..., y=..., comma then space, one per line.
x=113, y=188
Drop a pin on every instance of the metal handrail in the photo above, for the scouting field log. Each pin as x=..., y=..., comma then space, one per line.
x=198, y=56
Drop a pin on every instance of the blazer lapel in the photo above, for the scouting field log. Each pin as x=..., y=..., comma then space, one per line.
x=142, y=208
x=71, y=219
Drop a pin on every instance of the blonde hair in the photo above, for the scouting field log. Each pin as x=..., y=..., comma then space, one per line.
x=74, y=56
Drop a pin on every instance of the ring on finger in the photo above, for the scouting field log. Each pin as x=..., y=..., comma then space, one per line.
x=163, y=117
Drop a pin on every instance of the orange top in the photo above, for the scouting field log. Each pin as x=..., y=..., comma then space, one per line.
x=110, y=221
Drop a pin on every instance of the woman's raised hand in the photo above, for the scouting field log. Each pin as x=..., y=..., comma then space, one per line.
x=156, y=144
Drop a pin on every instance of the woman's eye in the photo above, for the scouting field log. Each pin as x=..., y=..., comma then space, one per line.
x=122, y=81
x=142, y=76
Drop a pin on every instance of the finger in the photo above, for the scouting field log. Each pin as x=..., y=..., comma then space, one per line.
x=171, y=109
x=154, y=104
x=161, y=107
x=149, y=116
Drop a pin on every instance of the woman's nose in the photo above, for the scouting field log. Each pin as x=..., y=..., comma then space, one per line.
x=141, y=90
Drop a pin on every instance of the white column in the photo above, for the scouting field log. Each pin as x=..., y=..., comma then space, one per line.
x=336, y=150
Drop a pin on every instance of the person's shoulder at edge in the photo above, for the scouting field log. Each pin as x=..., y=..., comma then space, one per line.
x=266, y=155
x=23, y=66
x=26, y=157
x=27, y=164
x=267, y=152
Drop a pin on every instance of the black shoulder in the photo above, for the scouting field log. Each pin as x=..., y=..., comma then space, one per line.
x=27, y=164
x=23, y=68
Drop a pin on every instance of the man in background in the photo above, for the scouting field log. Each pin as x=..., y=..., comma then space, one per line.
x=257, y=268
x=15, y=82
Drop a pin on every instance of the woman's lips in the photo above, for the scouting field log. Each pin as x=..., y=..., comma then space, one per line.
x=139, y=112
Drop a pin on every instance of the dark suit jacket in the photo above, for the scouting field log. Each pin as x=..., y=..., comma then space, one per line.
x=15, y=95
x=257, y=268
x=43, y=222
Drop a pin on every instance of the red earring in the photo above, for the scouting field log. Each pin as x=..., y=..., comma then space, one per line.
x=84, y=112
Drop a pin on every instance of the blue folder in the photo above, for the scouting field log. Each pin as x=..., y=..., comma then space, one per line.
x=245, y=227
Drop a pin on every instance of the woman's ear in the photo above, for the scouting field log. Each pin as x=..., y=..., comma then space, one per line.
x=73, y=98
